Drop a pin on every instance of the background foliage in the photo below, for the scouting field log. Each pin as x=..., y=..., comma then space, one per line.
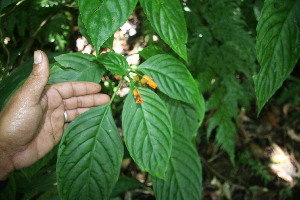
x=227, y=43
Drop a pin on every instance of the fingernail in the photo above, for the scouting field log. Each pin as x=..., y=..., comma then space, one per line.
x=37, y=57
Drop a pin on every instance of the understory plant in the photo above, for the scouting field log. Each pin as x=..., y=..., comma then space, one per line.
x=206, y=47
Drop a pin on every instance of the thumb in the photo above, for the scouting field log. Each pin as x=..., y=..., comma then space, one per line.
x=39, y=76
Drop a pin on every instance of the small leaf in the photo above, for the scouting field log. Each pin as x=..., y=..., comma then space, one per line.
x=148, y=132
x=150, y=51
x=114, y=63
x=103, y=18
x=184, y=116
x=76, y=67
x=225, y=130
x=89, y=156
x=167, y=19
x=277, y=47
x=172, y=78
x=124, y=184
x=184, y=174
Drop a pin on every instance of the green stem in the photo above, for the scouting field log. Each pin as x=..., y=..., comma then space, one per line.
x=110, y=102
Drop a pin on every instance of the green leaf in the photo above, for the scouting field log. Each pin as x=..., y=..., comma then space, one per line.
x=199, y=43
x=150, y=51
x=33, y=169
x=184, y=116
x=167, y=19
x=124, y=184
x=225, y=130
x=107, y=44
x=148, y=132
x=172, y=78
x=89, y=156
x=83, y=30
x=103, y=18
x=4, y=3
x=41, y=182
x=8, y=192
x=76, y=67
x=184, y=174
x=277, y=47
x=114, y=63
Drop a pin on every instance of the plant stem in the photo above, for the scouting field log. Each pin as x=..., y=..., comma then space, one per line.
x=110, y=102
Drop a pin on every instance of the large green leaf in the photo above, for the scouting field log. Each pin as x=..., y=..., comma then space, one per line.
x=114, y=63
x=89, y=156
x=76, y=67
x=108, y=43
x=277, y=47
x=172, y=78
x=148, y=132
x=184, y=116
x=184, y=174
x=8, y=192
x=167, y=19
x=103, y=17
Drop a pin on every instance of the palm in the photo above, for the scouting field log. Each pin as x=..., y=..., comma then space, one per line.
x=32, y=122
x=72, y=97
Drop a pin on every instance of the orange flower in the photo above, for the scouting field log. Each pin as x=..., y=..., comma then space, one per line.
x=136, y=92
x=137, y=96
x=139, y=99
x=152, y=84
x=149, y=81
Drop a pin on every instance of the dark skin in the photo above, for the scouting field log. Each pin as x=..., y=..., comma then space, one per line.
x=32, y=122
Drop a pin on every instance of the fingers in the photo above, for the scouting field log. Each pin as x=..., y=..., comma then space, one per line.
x=72, y=114
x=38, y=78
x=87, y=101
x=75, y=89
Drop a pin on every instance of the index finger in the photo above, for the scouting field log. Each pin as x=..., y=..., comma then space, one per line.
x=76, y=88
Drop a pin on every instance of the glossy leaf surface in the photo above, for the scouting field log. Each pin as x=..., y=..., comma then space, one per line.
x=103, y=18
x=184, y=174
x=76, y=67
x=150, y=51
x=114, y=63
x=277, y=47
x=173, y=78
x=89, y=156
x=167, y=19
x=148, y=132
x=184, y=116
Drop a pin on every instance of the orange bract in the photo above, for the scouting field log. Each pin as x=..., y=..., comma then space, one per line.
x=149, y=81
x=139, y=99
x=136, y=92
x=137, y=96
x=152, y=84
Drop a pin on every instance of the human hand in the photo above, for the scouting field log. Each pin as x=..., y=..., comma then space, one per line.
x=32, y=122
